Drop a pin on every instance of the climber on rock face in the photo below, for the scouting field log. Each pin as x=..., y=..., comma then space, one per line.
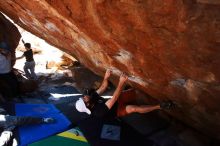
x=29, y=67
x=92, y=103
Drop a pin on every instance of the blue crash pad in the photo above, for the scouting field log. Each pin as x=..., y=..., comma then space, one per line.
x=33, y=133
x=22, y=109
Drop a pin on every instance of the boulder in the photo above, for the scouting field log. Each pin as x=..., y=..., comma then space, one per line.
x=9, y=34
x=169, y=48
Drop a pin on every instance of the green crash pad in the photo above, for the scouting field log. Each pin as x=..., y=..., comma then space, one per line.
x=71, y=137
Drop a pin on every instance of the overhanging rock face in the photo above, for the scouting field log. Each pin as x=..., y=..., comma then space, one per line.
x=169, y=48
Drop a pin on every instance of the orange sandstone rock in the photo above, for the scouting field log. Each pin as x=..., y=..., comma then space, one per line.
x=169, y=48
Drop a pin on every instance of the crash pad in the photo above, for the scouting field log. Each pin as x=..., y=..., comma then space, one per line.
x=22, y=109
x=33, y=133
x=71, y=137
